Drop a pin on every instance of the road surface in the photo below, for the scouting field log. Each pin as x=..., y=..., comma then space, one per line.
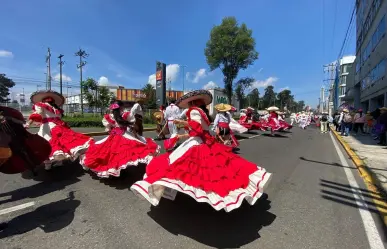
x=313, y=201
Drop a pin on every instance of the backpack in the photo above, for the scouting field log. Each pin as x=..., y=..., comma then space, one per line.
x=324, y=118
x=347, y=118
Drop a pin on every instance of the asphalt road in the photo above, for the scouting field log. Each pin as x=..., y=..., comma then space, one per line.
x=309, y=204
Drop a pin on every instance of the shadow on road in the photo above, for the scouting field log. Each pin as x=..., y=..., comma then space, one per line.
x=127, y=178
x=343, y=194
x=218, y=229
x=53, y=180
x=275, y=135
x=331, y=164
x=50, y=218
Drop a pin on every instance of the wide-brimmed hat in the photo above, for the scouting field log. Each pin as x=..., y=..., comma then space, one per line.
x=250, y=108
x=272, y=108
x=184, y=100
x=345, y=110
x=383, y=108
x=39, y=96
x=223, y=107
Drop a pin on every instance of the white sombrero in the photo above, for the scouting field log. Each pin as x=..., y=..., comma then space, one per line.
x=39, y=96
x=272, y=108
x=204, y=95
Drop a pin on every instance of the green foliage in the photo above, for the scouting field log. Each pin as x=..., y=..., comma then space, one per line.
x=253, y=98
x=231, y=48
x=88, y=121
x=269, y=98
x=5, y=85
x=150, y=93
x=240, y=87
x=96, y=96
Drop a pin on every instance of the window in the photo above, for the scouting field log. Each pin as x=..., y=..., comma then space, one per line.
x=342, y=90
x=345, y=69
x=343, y=80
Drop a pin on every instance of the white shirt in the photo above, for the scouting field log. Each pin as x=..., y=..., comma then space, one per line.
x=136, y=109
x=222, y=118
x=172, y=112
x=183, y=114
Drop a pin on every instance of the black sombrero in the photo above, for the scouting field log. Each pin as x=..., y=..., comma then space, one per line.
x=205, y=95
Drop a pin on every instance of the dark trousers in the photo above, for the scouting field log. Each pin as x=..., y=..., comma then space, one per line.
x=356, y=127
x=383, y=138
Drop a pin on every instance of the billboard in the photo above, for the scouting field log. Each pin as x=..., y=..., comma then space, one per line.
x=133, y=94
x=161, y=71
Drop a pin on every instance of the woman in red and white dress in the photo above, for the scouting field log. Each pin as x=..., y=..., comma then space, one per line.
x=65, y=143
x=202, y=168
x=122, y=148
x=273, y=122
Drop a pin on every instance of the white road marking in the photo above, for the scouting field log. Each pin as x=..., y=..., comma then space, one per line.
x=249, y=137
x=16, y=208
x=373, y=236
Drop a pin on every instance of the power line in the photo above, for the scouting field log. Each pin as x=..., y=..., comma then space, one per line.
x=346, y=33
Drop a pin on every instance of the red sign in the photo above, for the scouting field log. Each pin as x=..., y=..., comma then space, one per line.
x=159, y=75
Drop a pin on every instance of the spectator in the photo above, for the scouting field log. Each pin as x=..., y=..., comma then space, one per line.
x=382, y=122
x=359, y=121
x=345, y=122
x=370, y=122
x=324, y=123
x=336, y=118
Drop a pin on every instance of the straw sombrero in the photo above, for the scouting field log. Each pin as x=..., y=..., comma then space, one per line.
x=383, y=108
x=272, y=108
x=204, y=95
x=223, y=107
x=345, y=110
x=38, y=96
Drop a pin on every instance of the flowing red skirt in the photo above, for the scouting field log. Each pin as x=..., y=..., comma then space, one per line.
x=68, y=141
x=117, y=153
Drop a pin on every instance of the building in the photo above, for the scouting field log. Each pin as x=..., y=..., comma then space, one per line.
x=130, y=95
x=371, y=54
x=218, y=97
x=346, y=81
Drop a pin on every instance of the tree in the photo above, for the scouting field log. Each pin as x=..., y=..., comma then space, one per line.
x=90, y=92
x=284, y=98
x=241, y=87
x=104, y=98
x=269, y=97
x=254, y=98
x=300, y=105
x=95, y=95
x=150, y=96
x=231, y=48
x=5, y=85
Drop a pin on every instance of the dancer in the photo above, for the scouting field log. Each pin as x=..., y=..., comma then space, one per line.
x=159, y=116
x=172, y=112
x=202, y=168
x=273, y=123
x=281, y=119
x=137, y=114
x=65, y=143
x=222, y=126
x=292, y=118
x=19, y=149
x=123, y=147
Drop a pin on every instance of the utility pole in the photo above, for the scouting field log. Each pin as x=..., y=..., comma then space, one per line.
x=329, y=80
x=48, y=61
x=82, y=55
x=67, y=97
x=60, y=72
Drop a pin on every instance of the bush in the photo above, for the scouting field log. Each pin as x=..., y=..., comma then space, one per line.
x=87, y=121
x=96, y=121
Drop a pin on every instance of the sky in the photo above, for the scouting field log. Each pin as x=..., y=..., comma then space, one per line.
x=124, y=39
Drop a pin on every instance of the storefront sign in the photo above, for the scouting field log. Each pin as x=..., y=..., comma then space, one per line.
x=139, y=95
x=221, y=99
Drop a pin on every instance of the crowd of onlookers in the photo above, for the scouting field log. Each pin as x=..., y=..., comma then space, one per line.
x=352, y=122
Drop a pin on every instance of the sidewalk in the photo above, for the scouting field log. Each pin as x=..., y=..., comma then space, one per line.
x=374, y=156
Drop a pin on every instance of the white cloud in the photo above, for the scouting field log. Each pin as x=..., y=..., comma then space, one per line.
x=6, y=54
x=283, y=88
x=103, y=81
x=172, y=74
x=264, y=83
x=210, y=85
x=64, y=77
x=200, y=74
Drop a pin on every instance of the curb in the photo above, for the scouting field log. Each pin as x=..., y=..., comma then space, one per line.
x=373, y=184
x=103, y=133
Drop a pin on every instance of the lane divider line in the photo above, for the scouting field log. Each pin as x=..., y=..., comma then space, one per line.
x=372, y=233
x=16, y=208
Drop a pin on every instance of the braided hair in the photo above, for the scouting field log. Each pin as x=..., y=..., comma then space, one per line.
x=117, y=114
x=51, y=102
